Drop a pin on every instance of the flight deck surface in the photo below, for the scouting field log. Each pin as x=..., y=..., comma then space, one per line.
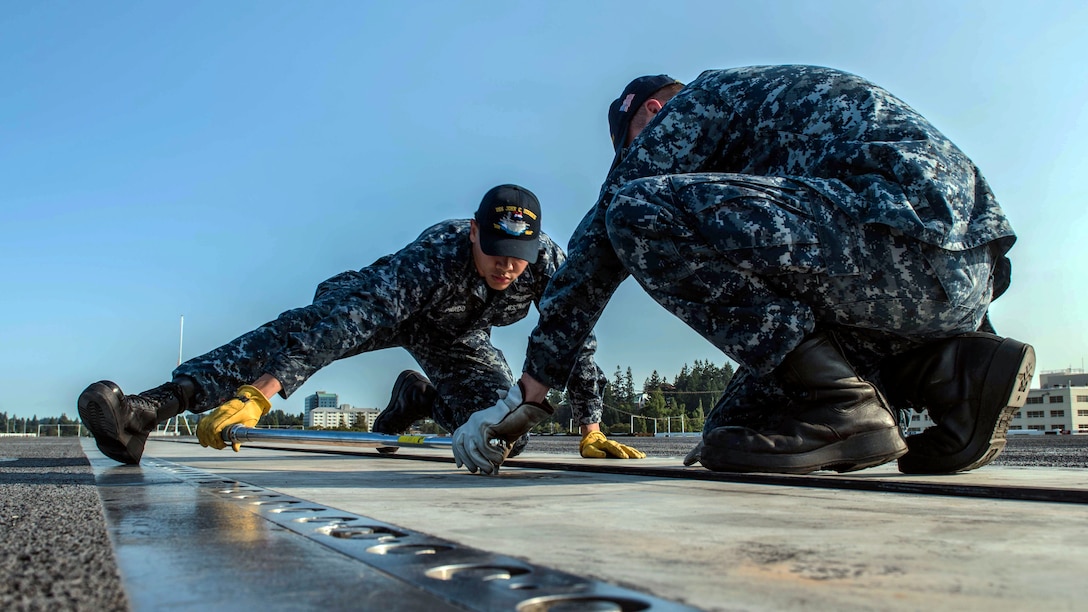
x=307, y=528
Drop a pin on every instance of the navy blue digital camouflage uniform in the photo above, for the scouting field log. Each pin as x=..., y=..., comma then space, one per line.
x=427, y=298
x=763, y=204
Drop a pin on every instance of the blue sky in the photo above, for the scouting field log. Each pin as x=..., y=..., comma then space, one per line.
x=218, y=159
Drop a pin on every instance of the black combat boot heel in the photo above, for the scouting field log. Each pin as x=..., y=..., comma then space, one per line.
x=972, y=385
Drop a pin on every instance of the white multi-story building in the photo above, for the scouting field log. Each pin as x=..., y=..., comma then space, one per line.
x=1060, y=404
x=365, y=415
x=344, y=416
x=321, y=399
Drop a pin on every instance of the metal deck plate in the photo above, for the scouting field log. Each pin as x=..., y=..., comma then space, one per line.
x=712, y=544
x=185, y=537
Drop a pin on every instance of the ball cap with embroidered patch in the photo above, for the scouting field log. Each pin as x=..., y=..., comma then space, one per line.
x=624, y=107
x=509, y=223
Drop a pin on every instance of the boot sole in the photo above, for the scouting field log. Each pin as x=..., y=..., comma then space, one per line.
x=98, y=406
x=860, y=451
x=1004, y=392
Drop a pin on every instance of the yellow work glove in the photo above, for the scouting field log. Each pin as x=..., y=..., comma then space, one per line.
x=595, y=446
x=245, y=410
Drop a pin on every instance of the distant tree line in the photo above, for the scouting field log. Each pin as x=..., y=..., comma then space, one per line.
x=279, y=418
x=14, y=424
x=691, y=394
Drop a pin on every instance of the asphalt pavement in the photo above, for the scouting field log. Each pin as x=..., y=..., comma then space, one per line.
x=55, y=553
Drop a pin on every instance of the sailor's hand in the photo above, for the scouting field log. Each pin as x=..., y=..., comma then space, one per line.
x=483, y=442
x=245, y=410
x=596, y=446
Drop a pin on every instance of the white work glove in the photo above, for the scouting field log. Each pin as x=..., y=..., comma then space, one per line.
x=483, y=442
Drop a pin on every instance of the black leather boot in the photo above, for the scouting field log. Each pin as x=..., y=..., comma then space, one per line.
x=972, y=385
x=411, y=400
x=837, y=421
x=121, y=423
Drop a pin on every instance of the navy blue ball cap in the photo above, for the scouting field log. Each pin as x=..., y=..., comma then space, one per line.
x=634, y=96
x=508, y=223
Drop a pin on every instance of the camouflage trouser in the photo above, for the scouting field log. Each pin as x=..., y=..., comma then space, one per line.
x=756, y=264
x=467, y=373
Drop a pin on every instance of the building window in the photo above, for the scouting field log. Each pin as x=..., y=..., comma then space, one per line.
x=1036, y=428
x=1035, y=400
x=1057, y=399
x=1057, y=427
x=1036, y=414
x=1082, y=413
x=1057, y=414
x=1014, y=428
x=1082, y=398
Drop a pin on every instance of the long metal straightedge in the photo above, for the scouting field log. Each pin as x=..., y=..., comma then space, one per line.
x=627, y=468
x=242, y=435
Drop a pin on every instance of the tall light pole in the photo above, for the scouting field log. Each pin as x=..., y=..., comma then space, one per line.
x=181, y=338
x=178, y=418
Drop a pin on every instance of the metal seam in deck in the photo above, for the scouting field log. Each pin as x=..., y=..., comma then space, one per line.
x=464, y=576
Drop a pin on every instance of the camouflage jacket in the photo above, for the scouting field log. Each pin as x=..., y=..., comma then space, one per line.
x=864, y=149
x=429, y=293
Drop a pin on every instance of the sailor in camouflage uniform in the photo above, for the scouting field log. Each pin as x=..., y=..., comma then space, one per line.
x=827, y=238
x=438, y=298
